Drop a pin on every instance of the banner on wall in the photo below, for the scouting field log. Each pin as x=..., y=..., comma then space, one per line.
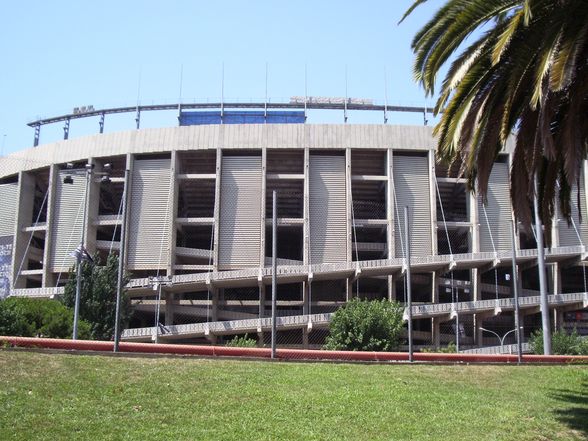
x=5, y=265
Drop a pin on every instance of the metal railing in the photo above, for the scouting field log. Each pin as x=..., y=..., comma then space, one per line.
x=299, y=321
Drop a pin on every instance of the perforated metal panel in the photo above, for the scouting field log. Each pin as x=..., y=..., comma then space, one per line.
x=8, y=203
x=412, y=187
x=328, y=212
x=568, y=234
x=498, y=210
x=240, y=212
x=150, y=215
x=66, y=225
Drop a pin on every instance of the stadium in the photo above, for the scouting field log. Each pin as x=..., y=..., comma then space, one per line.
x=196, y=204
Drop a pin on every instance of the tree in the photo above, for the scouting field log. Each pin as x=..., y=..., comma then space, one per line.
x=98, y=296
x=366, y=325
x=526, y=72
x=38, y=317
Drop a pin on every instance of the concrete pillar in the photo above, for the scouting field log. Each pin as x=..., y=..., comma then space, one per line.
x=390, y=219
x=476, y=276
x=305, y=334
x=214, y=306
x=306, y=210
x=128, y=192
x=555, y=275
x=215, y=299
x=174, y=171
x=48, y=277
x=306, y=309
x=93, y=205
x=392, y=288
x=349, y=289
x=217, y=188
x=433, y=201
x=263, y=207
x=558, y=319
x=170, y=301
x=23, y=218
x=349, y=204
x=262, y=296
x=435, y=321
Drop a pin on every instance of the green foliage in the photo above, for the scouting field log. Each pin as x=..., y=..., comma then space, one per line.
x=451, y=348
x=517, y=66
x=562, y=343
x=363, y=325
x=242, y=342
x=98, y=296
x=26, y=317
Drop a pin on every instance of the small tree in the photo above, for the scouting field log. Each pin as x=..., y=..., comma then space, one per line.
x=363, y=325
x=98, y=296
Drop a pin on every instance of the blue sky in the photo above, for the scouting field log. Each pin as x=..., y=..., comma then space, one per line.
x=62, y=54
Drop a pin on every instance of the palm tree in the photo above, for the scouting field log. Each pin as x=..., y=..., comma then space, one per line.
x=526, y=72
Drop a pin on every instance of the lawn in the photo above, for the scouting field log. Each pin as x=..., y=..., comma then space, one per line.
x=56, y=396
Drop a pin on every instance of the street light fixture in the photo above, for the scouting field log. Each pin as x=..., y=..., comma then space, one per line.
x=81, y=253
x=501, y=339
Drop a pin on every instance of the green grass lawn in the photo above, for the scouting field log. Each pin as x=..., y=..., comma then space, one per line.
x=57, y=396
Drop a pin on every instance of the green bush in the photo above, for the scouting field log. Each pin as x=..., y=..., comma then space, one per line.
x=26, y=317
x=364, y=325
x=242, y=342
x=451, y=348
x=562, y=343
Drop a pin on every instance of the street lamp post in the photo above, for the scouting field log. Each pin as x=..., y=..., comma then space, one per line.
x=80, y=253
x=501, y=339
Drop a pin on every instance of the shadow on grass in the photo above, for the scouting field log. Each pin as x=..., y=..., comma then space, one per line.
x=575, y=412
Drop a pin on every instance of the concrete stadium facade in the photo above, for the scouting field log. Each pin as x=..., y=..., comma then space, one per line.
x=199, y=213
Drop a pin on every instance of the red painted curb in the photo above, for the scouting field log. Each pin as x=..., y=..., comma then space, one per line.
x=282, y=354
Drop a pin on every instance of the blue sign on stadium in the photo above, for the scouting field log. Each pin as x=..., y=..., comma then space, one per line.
x=241, y=117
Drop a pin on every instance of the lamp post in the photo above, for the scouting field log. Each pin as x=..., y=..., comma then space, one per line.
x=501, y=339
x=121, y=259
x=80, y=253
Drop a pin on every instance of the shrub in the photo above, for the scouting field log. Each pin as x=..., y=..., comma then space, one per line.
x=562, y=343
x=363, y=325
x=242, y=342
x=451, y=348
x=38, y=317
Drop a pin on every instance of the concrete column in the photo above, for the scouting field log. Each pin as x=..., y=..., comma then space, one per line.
x=170, y=301
x=216, y=298
x=263, y=207
x=435, y=321
x=306, y=210
x=349, y=289
x=262, y=297
x=349, y=203
x=390, y=219
x=23, y=218
x=433, y=202
x=476, y=276
x=392, y=296
x=174, y=171
x=48, y=277
x=93, y=205
x=130, y=164
x=306, y=309
x=217, y=188
x=554, y=273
